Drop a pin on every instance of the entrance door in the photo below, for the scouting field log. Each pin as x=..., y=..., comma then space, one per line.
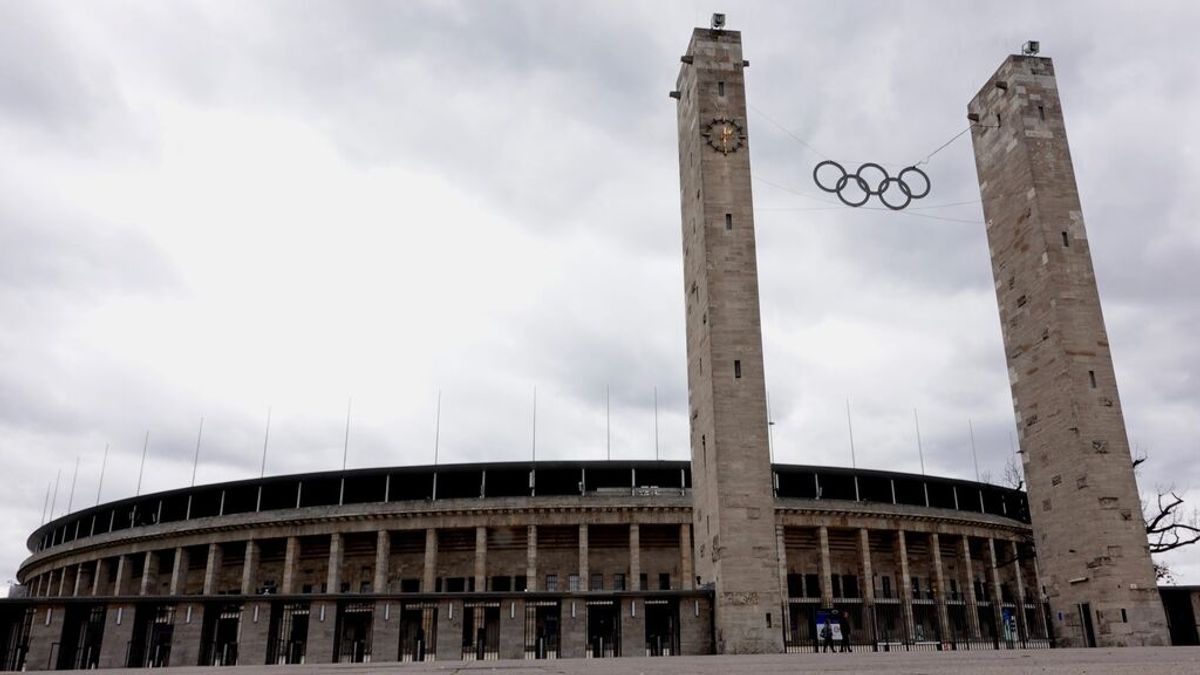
x=481, y=632
x=354, y=632
x=418, y=632
x=82, y=631
x=662, y=627
x=288, y=637
x=153, y=627
x=219, y=636
x=542, y=619
x=604, y=630
x=1085, y=618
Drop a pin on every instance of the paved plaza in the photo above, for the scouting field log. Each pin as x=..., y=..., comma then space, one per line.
x=1147, y=661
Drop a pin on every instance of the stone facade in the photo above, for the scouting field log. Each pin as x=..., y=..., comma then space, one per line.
x=610, y=568
x=733, y=527
x=1090, y=538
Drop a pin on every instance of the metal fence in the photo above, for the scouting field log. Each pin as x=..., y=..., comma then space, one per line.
x=886, y=626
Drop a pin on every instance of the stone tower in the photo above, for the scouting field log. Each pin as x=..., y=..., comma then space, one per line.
x=734, y=513
x=1091, y=542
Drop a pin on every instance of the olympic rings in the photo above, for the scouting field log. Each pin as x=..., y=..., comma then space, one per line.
x=884, y=189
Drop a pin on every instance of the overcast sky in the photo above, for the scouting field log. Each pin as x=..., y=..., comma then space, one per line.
x=215, y=209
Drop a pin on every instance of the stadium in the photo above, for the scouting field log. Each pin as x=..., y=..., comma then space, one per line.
x=507, y=561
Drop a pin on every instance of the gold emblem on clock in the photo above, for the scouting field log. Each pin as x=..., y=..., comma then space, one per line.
x=724, y=135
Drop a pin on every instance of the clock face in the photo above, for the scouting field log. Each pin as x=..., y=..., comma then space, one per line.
x=724, y=135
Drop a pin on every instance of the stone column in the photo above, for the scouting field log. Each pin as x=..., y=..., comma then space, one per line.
x=686, y=569
x=531, y=558
x=968, y=583
x=633, y=626
x=583, y=553
x=512, y=629
x=79, y=575
x=212, y=569
x=480, y=559
x=250, y=568
x=44, y=635
x=868, y=583
x=429, y=574
x=781, y=547
x=995, y=579
x=905, y=585
x=385, y=632
x=149, y=562
x=635, y=559
x=383, y=555
x=98, y=577
x=291, y=562
x=254, y=633
x=449, y=631
x=826, y=573
x=322, y=623
x=179, y=572
x=121, y=580
x=939, y=585
x=573, y=634
x=1021, y=619
x=185, y=638
x=118, y=632
x=62, y=582
x=868, y=573
x=333, y=577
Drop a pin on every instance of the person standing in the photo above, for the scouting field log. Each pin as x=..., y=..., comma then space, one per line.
x=844, y=624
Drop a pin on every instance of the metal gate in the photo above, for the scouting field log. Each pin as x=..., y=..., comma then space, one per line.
x=542, y=628
x=481, y=631
x=222, y=624
x=16, y=641
x=662, y=627
x=353, y=635
x=153, y=628
x=927, y=632
x=603, y=629
x=418, y=631
x=82, y=633
x=800, y=625
x=288, y=633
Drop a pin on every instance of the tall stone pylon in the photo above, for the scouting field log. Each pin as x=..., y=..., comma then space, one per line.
x=734, y=505
x=1091, y=542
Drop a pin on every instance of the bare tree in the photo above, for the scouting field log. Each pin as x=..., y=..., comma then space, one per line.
x=1014, y=477
x=1169, y=525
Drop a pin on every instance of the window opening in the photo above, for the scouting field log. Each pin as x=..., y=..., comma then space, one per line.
x=720, y=89
x=737, y=369
x=1066, y=242
x=728, y=221
x=1092, y=378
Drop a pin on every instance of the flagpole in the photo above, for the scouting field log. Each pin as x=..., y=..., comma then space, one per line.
x=346, y=443
x=196, y=457
x=656, y=424
x=142, y=466
x=974, y=456
x=262, y=471
x=100, y=483
x=74, y=477
x=850, y=426
x=920, y=450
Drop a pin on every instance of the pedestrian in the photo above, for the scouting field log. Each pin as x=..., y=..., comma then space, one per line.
x=827, y=635
x=844, y=624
